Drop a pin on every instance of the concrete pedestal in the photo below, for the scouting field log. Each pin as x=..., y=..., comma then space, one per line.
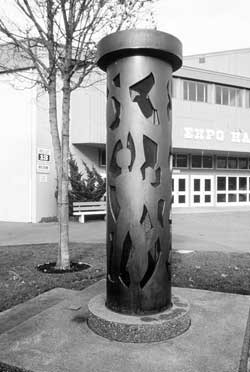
x=128, y=328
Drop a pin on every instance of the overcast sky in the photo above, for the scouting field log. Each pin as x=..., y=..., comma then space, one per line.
x=201, y=25
x=206, y=25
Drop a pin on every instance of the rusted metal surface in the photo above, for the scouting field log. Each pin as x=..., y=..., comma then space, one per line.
x=139, y=156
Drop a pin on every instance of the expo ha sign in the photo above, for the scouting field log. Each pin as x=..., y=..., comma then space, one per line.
x=43, y=160
x=207, y=134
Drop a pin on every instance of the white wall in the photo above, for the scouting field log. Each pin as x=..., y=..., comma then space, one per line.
x=88, y=114
x=87, y=124
x=45, y=182
x=17, y=196
x=232, y=62
x=26, y=194
x=212, y=127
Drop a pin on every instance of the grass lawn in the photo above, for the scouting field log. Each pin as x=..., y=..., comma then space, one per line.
x=20, y=280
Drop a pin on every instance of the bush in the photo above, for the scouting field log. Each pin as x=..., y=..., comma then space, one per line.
x=88, y=187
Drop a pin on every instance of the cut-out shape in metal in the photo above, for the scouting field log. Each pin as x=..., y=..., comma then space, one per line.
x=131, y=147
x=170, y=160
x=161, y=208
x=127, y=246
x=157, y=177
x=107, y=93
x=116, y=81
x=153, y=257
x=117, y=111
x=170, y=218
x=110, y=256
x=123, y=158
x=114, y=167
x=145, y=220
x=169, y=105
x=139, y=93
x=157, y=250
x=150, y=153
x=169, y=264
x=114, y=204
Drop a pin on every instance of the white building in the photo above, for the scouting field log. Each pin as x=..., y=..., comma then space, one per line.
x=211, y=137
x=211, y=134
x=28, y=184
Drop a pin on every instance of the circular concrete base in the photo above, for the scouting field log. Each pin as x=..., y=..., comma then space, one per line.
x=145, y=328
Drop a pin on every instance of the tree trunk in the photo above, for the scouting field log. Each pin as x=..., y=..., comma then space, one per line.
x=61, y=161
x=63, y=261
x=57, y=149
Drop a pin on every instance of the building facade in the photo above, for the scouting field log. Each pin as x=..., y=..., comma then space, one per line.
x=211, y=134
x=28, y=180
x=210, y=138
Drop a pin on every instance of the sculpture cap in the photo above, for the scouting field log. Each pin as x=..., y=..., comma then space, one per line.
x=144, y=42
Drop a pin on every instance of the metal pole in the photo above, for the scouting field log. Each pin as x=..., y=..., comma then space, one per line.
x=139, y=65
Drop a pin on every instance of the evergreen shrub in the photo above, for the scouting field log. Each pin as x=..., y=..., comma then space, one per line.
x=84, y=186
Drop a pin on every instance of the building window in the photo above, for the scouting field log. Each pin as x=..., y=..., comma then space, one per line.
x=247, y=103
x=202, y=161
x=196, y=198
x=102, y=157
x=221, y=198
x=232, y=189
x=207, y=161
x=202, y=59
x=182, y=184
x=228, y=96
x=221, y=162
x=197, y=184
x=207, y=184
x=243, y=163
x=232, y=183
x=195, y=91
x=196, y=161
x=232, y=198
x=180, y=160
x=232, y=163
x=242, y=183
x=221, y=183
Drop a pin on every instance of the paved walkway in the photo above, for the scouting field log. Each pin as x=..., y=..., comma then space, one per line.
x=207, y=229
x=55, y=337
x=15, y=233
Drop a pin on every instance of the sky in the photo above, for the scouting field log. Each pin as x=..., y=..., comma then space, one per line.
x=201, y=25
x=205, y=25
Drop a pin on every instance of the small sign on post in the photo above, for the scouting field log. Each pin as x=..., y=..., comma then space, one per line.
x=43, y=160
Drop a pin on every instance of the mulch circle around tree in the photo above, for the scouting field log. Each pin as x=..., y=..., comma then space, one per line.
x=50, y=267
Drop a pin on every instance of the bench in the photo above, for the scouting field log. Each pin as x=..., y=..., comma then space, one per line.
x=87, y=208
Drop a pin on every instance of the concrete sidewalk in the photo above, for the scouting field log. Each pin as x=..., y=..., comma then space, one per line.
x=58, y=339
x=15, y=233
x=207, y=229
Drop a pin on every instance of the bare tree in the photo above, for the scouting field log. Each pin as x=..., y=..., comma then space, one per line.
x=58, y=39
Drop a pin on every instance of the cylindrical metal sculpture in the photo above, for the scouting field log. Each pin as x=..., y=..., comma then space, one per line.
x=139, y=65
